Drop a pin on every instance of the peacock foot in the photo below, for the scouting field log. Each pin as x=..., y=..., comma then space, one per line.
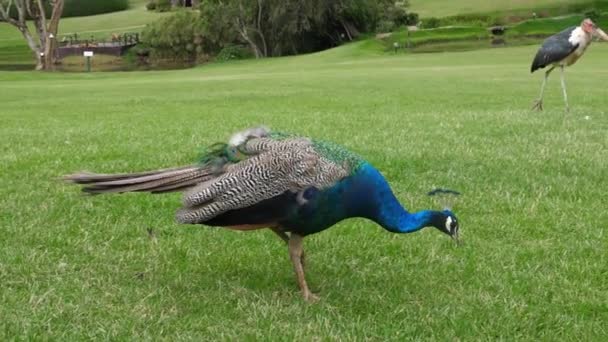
x=310, y=297
x=538, y=105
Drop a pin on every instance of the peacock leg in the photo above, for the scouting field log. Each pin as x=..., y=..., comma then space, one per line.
x=280, y=234
x=295, y=253
x=285, y=238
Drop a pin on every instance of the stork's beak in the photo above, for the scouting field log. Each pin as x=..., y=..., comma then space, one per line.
x=600, y=33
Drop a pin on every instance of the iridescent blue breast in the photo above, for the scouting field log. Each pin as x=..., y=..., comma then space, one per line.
x=358, y=195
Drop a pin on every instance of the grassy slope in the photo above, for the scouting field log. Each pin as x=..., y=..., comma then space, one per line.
x=475, y=37
x=444, y=8
x=534, y=264
x=14, y=51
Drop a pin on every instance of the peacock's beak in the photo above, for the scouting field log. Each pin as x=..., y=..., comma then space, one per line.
x=600, y=33
x=455, y=237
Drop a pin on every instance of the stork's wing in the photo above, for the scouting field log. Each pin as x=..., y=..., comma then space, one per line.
x=554, y=49
x=273, y=168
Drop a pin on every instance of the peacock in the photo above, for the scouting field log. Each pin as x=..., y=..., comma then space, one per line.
x=293, y=185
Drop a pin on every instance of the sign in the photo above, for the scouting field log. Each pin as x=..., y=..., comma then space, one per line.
x=88, y=53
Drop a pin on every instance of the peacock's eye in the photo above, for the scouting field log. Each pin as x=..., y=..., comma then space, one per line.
x=448, y=224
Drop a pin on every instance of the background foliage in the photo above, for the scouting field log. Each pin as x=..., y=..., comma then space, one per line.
x=78, y=8
x=277, y=27
x=179, y=36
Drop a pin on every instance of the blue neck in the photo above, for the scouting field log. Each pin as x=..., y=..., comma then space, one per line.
x=389, y=213
x=396, y=219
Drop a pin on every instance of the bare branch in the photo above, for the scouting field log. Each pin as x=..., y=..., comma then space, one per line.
x=5, y=15
x=39, y=18
x=4, y=12
x=28, y=7
x=19, y=5
x=41, y=10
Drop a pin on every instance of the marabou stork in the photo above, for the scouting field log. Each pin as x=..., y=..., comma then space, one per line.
x=564, y=49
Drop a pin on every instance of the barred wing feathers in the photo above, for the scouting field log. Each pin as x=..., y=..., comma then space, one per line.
x=278, y=166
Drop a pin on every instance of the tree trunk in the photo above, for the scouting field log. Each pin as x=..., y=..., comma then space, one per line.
x=350, y=36
x=34, y=47
x=259, y=29
x=243, y=32
x=44, y=48
x=243, y=29
x=50, y=50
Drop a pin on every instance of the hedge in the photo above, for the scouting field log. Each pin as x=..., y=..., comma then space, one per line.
x=80, y=8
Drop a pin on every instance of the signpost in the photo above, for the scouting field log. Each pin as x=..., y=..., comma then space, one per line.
x=88, y=55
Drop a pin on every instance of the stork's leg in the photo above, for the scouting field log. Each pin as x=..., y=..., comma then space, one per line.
x=295, y=253
x=538, y=104
x=564, y=90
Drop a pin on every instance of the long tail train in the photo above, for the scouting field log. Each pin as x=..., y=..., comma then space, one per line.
x=159, y=181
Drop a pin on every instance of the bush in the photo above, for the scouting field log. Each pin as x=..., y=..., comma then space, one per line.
x=396, y=14
x=385, y=26
x=163, y=5
x=431, y=22
x=151, y=6
x=233, y=52
x=411, y=18
x=79, y=8
x=593, y=14
x=178, y=37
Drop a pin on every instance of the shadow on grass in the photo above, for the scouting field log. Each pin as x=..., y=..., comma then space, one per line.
x=17, y=67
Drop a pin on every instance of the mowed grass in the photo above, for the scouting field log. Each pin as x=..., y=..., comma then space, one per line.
x=533, y=211
x=444, y=8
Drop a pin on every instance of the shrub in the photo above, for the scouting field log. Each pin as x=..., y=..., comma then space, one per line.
x=151, y=6
x=593, y=14
x=233, y=52
x=179, y=36
x=385, y=26
x=431, y=22
x=411, y=18
x=396, y=14
x=163, y=5
x=78, y=8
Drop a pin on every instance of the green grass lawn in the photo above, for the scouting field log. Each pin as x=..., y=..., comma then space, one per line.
x=533, y=212
x=444, y=8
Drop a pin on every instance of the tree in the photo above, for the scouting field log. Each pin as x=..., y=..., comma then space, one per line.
x=179, y=37
x=46, y=29
x=268, y=27
x=283, y=27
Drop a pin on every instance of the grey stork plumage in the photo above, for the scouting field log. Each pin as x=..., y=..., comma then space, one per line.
x=564, y=49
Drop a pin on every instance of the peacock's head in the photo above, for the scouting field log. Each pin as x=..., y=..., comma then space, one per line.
x=445, y=220
x=447, y=223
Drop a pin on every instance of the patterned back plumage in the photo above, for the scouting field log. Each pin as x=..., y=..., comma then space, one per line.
x=269, y=165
